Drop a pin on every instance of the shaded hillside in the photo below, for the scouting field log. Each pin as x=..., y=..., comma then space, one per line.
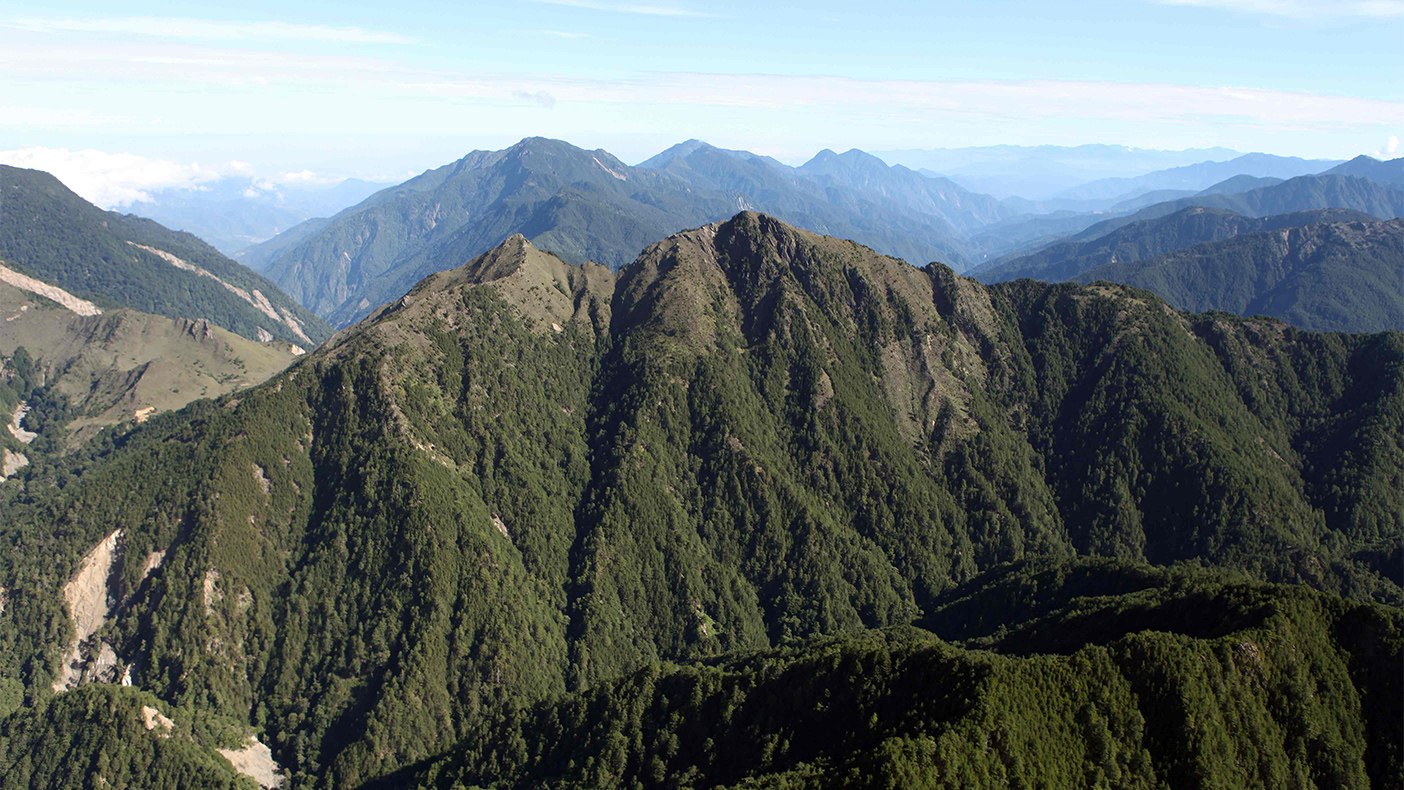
x=581, y=205
x=1148, y=238
x=1337, y=277
x=525, y=479
x=116, y=260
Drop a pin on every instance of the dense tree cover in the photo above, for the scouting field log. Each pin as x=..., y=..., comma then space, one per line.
x=52, y=234
x=526, y=479
x=1184, y=681
x=1339, y=277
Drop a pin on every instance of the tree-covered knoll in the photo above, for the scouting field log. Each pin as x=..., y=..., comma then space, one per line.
x=52, y=234
x=526, y=479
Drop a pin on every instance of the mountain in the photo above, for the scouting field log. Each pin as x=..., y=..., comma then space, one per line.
x=1200, y=176
x=455, y=536
x=863, y=172
x=1149, y=238
x=234, y=213
x=114, y=260
x=1388, y=173
x=1040, y=172
x=581, y=205
x=1337, y=277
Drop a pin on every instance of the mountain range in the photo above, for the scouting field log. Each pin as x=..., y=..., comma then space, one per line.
x=1149, y=237
x=587, y=205
x=762, y=508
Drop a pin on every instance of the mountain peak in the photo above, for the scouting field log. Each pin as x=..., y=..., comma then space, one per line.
x=678, y=151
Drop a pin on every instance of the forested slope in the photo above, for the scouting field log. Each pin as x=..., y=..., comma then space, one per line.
x=526, y=479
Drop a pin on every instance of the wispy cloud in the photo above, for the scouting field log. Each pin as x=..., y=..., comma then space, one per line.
x=1302, y=9
x=565, y=34
x=207, y=29
x=628, y=8
x=541, y=98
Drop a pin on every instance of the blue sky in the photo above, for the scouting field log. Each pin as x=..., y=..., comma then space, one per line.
x=382, y=89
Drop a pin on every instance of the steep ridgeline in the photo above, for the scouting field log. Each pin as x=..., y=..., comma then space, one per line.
x=526, y=479
x=114, y=260
x=1331, y=277
x=1148, y=238
x=581, y=205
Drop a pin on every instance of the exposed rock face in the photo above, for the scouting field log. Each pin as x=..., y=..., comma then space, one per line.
x=89, y=605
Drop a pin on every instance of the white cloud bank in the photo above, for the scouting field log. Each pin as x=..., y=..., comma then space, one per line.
x=113, y=180
x=106, y=179
x=206, y=29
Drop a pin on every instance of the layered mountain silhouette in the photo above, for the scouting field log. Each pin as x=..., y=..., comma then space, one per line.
x=530, y=522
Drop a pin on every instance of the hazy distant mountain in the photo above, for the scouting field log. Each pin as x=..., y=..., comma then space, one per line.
x=1199, y=176
x=937, y=196
x=1389, y=173
x=234, y=213
x=1330, y=277
x=1039, y=172
x=589, y=205
x=122, y=260
x=1149, y=238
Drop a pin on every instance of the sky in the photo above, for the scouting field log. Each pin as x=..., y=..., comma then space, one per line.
x=143, y=94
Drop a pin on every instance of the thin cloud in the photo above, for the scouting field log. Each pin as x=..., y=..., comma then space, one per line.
x=625, y=8
x=565, y=34
x=1302, y=9
x=207, y=29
